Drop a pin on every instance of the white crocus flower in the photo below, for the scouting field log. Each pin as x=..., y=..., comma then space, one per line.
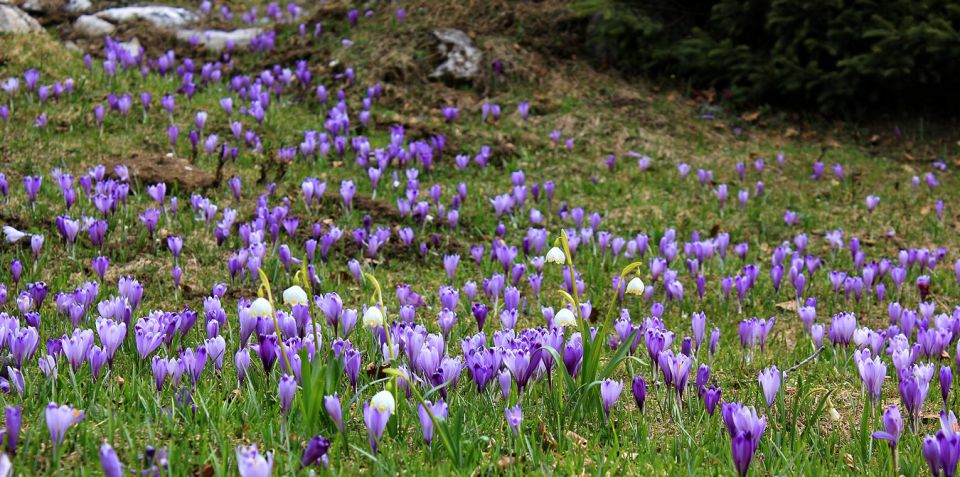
x=261, y=307
x=373, y=317
x=635, y=286
x=555, y=255
x=295, y=296
x=565, y=318
x=383, y=401
x=13, y=235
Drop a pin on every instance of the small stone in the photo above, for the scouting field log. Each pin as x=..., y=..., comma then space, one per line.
x=34, y=6
x=132, y=46
x=77, y=6
x=91, y=26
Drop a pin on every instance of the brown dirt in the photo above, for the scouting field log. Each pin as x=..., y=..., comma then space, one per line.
x=150, y=169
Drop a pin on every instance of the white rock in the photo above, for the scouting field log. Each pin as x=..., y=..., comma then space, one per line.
x=14, y=20
x=91, y=26
x=71, y=46
x=48, y=6
x=461, y=59
x=216, y=40
x=159, y=16
x=34, y=6
x=77, y=6
x=132, y=46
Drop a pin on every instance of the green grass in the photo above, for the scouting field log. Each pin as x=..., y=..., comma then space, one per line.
x=124, y=409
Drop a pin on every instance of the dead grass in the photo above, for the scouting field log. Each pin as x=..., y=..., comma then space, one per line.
x=37, y=50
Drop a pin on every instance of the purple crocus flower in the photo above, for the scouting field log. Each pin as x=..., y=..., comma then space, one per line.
x=523, y=108
x=609, y=393
x=287, y=389
x=711, y=396
x=923, y=286
x=514, y=418
x=942, y=451
x=743, y=451
x=931, y=453
x=872, y=373
x=639, y=389
x=842, y=328
x=573, y=354
x=100, y=265
x=892, y=427
x=438, y=410
x=450, y=263
x=109, y=461
x=914, y=385
x=177, y=275
x=721, y=193
x=505, y=381
x=250, y=463
x=347, y=191
x=59, y=419
x=698, y=322
x=332, y=405
x=36, y=243
x=159, y=367
x=446, y=319
x=332, y=307
x=376, y=414
x=946, y=378
x=157, y=192
x=315, y=452
x=173, y=133
x=269, y=350
x=242, y=361
x=450, y=113
x=32, y=185
x=480, y=313
x=75, y=347
x=97, y=358
x=12, y=428
x=745, y=429
x=770, y=383
x=675, y=369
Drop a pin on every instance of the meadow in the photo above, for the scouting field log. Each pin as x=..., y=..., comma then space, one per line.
x=304, y=257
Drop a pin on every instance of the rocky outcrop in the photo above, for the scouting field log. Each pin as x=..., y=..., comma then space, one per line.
x=46, y=7
x=15, y=20
x=169, y=18
x=460, y=60
x=92, y=27
x=216, y=40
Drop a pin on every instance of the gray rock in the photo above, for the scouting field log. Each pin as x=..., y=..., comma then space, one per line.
x=77, y=6
x=461, y=60
x=160, y=16
x=216, y=40
x=14, y=20
x=50, y=6
x=91, y=26
x=34, y=6
x=132, y=46
x=71, y=46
